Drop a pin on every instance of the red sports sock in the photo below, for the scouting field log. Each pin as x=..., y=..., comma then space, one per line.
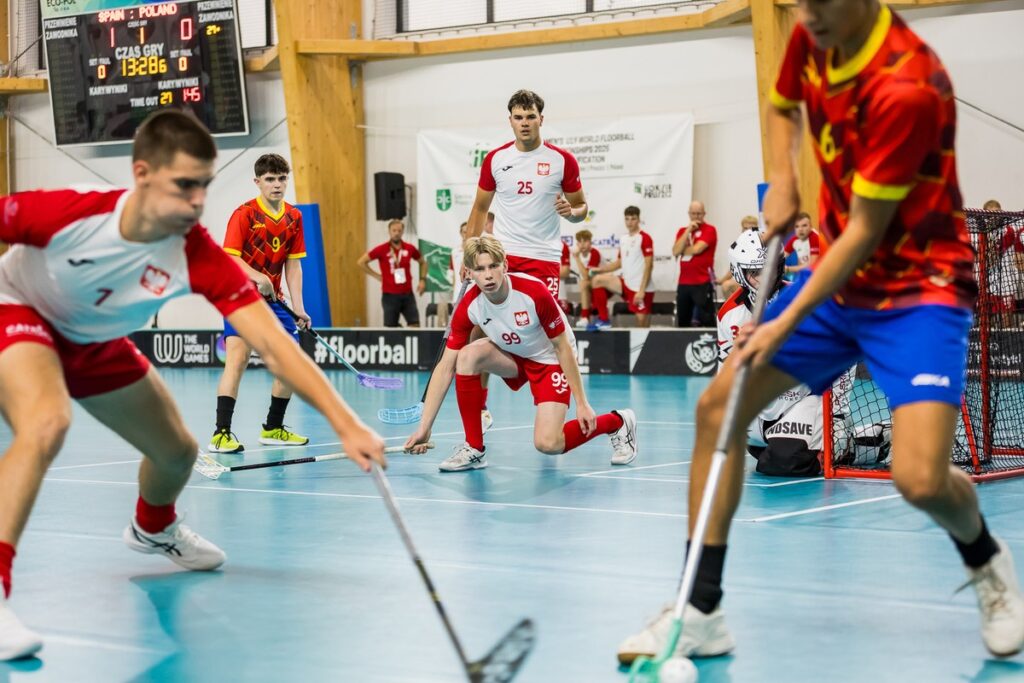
x=471, y=397
x=601, y=302
x=154, y=518
x=6, y=560
x=606, y=424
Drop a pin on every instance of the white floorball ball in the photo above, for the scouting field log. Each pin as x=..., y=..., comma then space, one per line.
x=677, y=670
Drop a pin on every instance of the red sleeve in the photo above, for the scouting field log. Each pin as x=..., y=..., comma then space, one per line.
x=815, y=243
x=298, y=249
x=547, y=310
x=788, y=249
x=486, y=176
x=680, y=233
x=901, y=126
x=646, y=244
x=595, y=258
x=462, y=326
x=571, y=175
x=238, y=226
x=788, y=91
x=34, y=217
x=378, y=252
x=565, y=254
x=708, y=235
x=414, y=253
x=212, y=273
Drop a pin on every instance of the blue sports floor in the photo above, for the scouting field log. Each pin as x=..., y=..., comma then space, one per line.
x=826, y=581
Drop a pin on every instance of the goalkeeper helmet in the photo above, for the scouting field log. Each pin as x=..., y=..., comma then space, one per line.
x=746, y=259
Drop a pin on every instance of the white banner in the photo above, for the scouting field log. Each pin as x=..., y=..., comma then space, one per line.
x=643, y=161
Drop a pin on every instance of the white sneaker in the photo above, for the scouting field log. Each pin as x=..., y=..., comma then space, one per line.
x=624, y=439
x=1000, y=602
x=582, y=323
x=703, y=635
x=486, y=420
x=16, y=640
x=179, y=543
x=465, y=457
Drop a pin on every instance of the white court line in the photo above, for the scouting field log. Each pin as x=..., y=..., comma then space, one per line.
x=618, y=470
x=320, y=494
x=272, y=448
x=684, y=480
x=104, y=645
x=94, y=464
x=811, y=511
x=677, y=424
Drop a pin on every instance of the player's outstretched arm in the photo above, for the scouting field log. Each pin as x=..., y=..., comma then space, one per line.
x=868, y=222
x=478, y=214
x=783, y=199
x=437, y=389
x=285, y=359
x=566, y=355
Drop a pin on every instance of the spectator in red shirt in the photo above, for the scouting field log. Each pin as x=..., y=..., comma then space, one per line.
x=695, y=246
x=395, y=258
x=805, y=243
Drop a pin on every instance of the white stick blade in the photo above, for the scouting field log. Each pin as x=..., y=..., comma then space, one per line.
x=208, y=467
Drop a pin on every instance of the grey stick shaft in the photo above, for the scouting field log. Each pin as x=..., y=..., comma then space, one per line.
x=707, y=501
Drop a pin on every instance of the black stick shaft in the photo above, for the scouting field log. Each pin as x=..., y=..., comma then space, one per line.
x=261, y=465
x=396, y=516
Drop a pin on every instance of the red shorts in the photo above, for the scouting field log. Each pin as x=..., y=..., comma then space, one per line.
x=89, y=369
x=628, y=294
x=545, y=271
x=547, y=382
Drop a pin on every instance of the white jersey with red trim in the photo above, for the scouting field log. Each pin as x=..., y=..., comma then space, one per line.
x=633, y=249
x=71, y=264
x=732, y=316
x=523, y=324
x=525, y=185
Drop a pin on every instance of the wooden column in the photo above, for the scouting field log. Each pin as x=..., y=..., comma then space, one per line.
x=324, y=102
x=772, y=25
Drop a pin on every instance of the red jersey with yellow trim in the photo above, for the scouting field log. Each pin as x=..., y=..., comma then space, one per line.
x=264, y=239
x=884, y=123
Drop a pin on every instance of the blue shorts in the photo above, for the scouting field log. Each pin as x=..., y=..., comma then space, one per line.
x=287, y=322
x=915, y=354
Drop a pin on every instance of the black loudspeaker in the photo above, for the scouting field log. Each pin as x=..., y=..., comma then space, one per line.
x=389, y=192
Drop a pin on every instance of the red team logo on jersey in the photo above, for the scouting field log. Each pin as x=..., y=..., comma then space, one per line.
x=543, y=168
x=155, y=280
x=522, y=318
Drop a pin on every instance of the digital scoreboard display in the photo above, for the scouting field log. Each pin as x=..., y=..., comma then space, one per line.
x=113, y=62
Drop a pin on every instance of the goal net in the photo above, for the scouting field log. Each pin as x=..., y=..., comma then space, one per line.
x=990, y=432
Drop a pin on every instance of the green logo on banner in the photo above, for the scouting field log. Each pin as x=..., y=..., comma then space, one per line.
x=444, y=199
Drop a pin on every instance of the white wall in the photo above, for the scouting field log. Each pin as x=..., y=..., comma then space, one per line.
x=711, y=74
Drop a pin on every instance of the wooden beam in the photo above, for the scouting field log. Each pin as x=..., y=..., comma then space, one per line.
x=725, y=13
x=264, y=61
x=324, y=101
x=772, y=25
x=355, y=49
x=908, y=4
x=22, y=86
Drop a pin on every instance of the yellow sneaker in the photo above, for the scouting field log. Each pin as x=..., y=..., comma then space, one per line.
x=223, y=441
x=281, y=437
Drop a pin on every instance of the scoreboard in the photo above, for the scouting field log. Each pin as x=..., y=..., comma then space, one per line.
x=112, y=62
